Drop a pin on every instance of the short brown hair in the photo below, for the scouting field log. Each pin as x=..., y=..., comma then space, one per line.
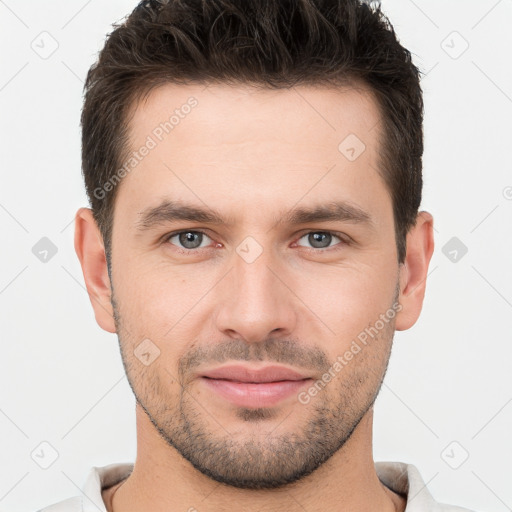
x=268, y=43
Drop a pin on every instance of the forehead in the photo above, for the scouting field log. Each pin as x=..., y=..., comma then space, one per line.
x=221, y=110
x=211, y=143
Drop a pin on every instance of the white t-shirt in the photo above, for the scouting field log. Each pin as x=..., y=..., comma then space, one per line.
x=402, y=478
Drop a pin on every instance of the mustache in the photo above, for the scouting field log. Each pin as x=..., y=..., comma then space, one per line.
x=272, y=350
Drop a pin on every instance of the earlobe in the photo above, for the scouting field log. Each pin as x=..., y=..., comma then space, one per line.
x=90, y=250
x=414, y=270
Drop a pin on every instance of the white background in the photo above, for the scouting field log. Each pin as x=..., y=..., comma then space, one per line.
x=450, y=379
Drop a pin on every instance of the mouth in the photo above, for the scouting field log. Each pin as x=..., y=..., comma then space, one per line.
x=251, y=387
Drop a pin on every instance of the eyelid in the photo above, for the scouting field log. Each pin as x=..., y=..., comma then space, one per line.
x=345, y=239
x=167, y=236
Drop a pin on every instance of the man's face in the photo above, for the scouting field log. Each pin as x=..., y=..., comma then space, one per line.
x=259, y=289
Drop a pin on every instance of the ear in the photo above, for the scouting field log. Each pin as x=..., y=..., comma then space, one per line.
x=90, y=250
x=413, y=272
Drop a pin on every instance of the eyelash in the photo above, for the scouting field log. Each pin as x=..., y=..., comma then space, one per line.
x=337, y=234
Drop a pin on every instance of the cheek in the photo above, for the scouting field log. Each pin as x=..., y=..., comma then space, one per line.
x=164, y=302
x=171, y=302
x=347, y=300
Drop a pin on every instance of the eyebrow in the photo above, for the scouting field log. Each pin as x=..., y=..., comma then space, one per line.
x=169, y=211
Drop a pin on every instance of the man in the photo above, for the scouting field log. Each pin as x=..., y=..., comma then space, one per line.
x=254, y=171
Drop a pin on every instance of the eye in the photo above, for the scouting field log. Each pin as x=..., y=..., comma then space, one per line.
x=322, y=239
x=188, y=240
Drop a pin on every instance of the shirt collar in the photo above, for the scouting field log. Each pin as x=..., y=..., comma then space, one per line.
x=405, y=479
x=401, y=478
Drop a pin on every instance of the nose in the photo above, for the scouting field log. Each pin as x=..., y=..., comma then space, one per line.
x=255, y=300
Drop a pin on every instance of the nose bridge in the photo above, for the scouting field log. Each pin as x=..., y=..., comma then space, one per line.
x=255, y=301
x=252, y=271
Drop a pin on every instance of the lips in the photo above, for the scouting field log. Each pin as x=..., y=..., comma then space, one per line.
x=251, y=375
x=254, y=387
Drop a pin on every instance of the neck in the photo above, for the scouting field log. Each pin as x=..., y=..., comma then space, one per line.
x=162, y=480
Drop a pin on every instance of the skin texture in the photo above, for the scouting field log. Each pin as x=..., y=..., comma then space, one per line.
x=252, y=156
